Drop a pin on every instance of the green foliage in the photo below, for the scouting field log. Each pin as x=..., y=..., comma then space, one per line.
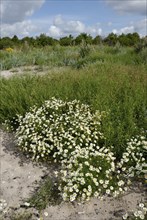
x=44, y=195
x=97, y=40
x=5, y=43
x=141, y=45
x=129, y=39
x=21, y=216
x=83, y=38
x=111, y=39
x=43, y=40
x=84, y=50
x=66, y=41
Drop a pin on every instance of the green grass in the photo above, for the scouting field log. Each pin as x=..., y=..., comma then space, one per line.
x=45, y=195
x=25, y=215
x=109, y=82
x=22, y=216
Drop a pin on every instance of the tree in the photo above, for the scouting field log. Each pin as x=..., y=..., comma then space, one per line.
x=6, y=42
x=97, y=40
x=44, y=40
x=83, y=37
x=111, y=39
x=66, y=41
x=15, y=39
x=130, y=39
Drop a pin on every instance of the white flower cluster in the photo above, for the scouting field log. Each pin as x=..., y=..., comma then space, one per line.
x=58, y=128
x=70, y=133
x=140, y=213
x=86, y=173
x=133, y=160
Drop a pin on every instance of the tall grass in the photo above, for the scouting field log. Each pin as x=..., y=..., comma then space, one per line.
x=115, y=88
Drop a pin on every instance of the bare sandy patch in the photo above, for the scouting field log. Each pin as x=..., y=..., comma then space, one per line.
x=33, y=70
x=20, y=176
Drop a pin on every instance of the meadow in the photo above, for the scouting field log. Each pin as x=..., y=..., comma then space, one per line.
x=111, y=81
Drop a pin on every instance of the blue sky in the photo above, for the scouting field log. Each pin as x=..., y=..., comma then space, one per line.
x=63, y=17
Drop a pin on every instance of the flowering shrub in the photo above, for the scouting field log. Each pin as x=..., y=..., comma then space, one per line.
x=140, y=213
x=133, y=159
x=58, y=128
x=71, y=134
x=87, y=172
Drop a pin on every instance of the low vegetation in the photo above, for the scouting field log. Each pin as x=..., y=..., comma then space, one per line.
x=90, y=117
x=44, y=195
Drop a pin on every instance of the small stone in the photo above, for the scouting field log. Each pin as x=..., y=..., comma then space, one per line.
x=5, y=204
x=46, y=214
x=27, y=204
x=80, y=213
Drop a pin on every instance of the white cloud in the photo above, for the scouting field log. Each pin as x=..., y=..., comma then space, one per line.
x=58, y=20
x=62, y=27
x=74, y=26
x=139, y=27
x=115, y=31
x=93, y=31
x=58, y=28
x=68, y=26
x=13, y=11
x=126, y=30
x=54, y=31
x=20, y=29
x=129, y=6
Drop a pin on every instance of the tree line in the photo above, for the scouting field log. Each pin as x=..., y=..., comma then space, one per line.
x=130, y=39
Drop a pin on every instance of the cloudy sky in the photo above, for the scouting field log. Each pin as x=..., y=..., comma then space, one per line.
x=58, y=18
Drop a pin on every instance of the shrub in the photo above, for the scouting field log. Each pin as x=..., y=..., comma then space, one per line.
x=58, y=125
x=70, y=133
x=84, y=50
x=133, y=159
x=139, y=213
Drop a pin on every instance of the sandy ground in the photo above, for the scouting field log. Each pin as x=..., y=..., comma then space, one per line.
x=33, y=70
x=20, y=176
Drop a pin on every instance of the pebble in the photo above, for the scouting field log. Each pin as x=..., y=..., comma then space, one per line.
x=80, y=213
x=46, y=214
x=27, y=204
